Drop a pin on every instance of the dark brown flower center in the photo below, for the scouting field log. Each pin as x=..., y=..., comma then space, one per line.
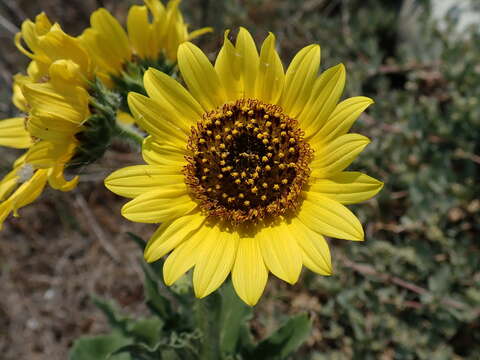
x=248, y=162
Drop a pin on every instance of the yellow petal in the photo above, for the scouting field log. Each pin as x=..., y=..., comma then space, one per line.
x=125, y=118
x=199, y=32
x=328, y=217
x=299, y=80
x=138, y=28
x=116, y=40
x=5, y=209
x=314, y=247
x=56, y=179
x=160, y=205
x=281, y=253
x=270, y=79
x=9, y=183
x=341, y=119
x=163, y=153
x=13, y=133
x=227, y=66
x=150, y=116
x=52, y=130
x=133, y=181
x=29, y=191
x=215, y=259
x=171, y=234
x=179, y=104
x=337, y=155
x=184, y=256
x=326, y=92
x=249, y=61
x=200, y=76
x=45, y=154
x=347, y=187
x=249, y=273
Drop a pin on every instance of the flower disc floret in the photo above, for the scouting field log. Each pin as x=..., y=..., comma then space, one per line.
x=249, y=161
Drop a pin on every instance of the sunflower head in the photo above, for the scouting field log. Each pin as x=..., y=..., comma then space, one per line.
x=245, y=169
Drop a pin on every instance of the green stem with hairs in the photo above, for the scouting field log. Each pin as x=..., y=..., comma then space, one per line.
x=129, y=133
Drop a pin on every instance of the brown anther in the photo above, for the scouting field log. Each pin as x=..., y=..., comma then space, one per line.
x=247, y=141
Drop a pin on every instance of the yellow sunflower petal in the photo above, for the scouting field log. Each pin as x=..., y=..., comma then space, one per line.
x=299, y=80
x=184, y=256
x=328, y=217
x=341, y=119
x=199, y=32
x=200, y=76
x=137, y=28
x=9, y=183
x=216, y=256
x=281, y=253
x=178, y=102
x=45, y=154
x=136, y=180
x=314, y=247
x=270, y=79
x=347, y=187
x=337, y=155
x=111, y=31
x=249, y=273
x=6, y=208
x=248, y=60
x=13, y=133
x=171, y=234
x=325, y=95
x=29, y=191
x=160, y=205
x=56, y=179
x=163, y=153
x=150, y=116
x=227, y=66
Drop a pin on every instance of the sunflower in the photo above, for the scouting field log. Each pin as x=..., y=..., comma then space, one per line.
x=54, y=97
x=245, y=169
x=147, y=40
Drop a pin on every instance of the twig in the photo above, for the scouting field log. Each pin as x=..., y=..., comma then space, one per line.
x=365, y=269
x=8, y=25
x=97, y=230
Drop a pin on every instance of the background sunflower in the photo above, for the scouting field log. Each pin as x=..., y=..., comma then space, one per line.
x=411, y=291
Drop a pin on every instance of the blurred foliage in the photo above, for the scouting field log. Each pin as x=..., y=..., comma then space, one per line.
x=184, y=328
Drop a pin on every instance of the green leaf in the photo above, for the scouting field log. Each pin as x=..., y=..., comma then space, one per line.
x=138, y=352
x=99, y=347
x=234, y=318
x=147, y=330
x=155, y=300
x=285, y=340
x=115, y=319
